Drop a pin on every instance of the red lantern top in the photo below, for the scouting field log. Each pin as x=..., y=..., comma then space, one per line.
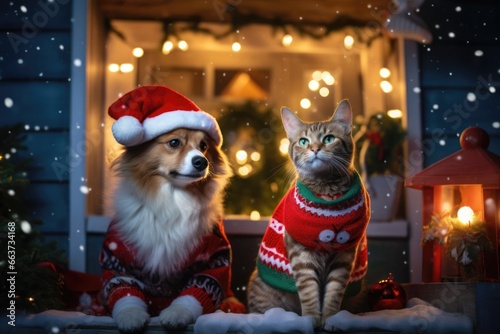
x=473, y=164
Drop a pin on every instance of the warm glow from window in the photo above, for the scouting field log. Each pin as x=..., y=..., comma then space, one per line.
x=386, y=86
x=126, y=68
x=395, y=113
x=305, y=103
x=384, y=72
x=138, y=52
x=348, y=42
x=236, y=47
x=287, y=40
x=465, y=215
x=313, y=85
x=167, y=47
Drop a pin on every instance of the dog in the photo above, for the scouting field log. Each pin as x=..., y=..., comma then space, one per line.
x=165, y=252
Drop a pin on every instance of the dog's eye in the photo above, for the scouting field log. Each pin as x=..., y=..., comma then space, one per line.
x=203, y=146
x=174, y=143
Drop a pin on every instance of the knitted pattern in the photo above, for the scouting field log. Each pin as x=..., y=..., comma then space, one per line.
x=321, y=225
x=206, y=275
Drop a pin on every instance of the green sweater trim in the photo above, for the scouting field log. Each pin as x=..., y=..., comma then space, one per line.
x=310, y=196
x=276, y=279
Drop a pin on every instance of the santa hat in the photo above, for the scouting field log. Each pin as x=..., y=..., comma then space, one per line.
x=149, y=111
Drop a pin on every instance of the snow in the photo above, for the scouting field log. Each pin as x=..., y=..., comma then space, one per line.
x=8, y=102
x=418, y=317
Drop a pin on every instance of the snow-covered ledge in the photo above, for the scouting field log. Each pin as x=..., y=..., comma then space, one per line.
x=243, y=225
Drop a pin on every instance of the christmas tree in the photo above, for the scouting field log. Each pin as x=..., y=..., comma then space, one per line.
x=28, y=265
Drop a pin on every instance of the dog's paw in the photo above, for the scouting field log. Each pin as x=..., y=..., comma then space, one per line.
x=182, y=312
x=131, y=319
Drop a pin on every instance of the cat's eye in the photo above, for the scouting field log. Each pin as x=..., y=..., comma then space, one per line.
x=303, y=142
x=343, y=237
x=328, y=139
x=174, y=143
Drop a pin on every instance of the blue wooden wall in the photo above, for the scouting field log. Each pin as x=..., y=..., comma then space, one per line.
x=461, y=63
x=35, y=64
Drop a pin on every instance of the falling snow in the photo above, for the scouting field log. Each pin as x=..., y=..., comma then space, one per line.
x=84, y=190
x=471, y=97
x=8, y=102
x=20, y=61
x=496, y=125
x=11, y=192
x=478, y=53
x=77, y=62
x=416, y=90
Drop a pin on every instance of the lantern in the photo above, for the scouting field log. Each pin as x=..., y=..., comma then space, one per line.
x=463, y=188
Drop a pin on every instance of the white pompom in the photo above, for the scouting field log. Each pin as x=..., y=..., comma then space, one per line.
x=128, y=131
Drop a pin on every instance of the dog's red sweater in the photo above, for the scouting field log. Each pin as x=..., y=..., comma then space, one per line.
x=206, y=275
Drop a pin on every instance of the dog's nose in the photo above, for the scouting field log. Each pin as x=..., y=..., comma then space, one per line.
x=199, y=162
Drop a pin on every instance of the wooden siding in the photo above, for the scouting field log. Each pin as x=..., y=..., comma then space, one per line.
x=35, y=70
x=462, y=59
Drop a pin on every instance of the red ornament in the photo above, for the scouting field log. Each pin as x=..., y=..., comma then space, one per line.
x=386, y=294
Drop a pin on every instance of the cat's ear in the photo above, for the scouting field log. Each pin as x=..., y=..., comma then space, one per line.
x=291, y=122
x=343, y=114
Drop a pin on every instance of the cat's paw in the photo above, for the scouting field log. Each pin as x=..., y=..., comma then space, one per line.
x=182, y=312
x=131, y=319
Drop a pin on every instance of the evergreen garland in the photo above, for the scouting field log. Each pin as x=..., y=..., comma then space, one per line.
x=384, y=136
x=263, y=188
x=37, y=285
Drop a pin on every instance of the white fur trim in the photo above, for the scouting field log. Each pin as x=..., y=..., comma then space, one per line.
x=128, y=131
x=191, y=303
x=171, y=120
x=128, y=302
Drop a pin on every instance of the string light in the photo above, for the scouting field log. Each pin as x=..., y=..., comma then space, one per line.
x=183, y=45
x=305, y=103
x=394, y=113
x=236, y=47
x=287, y=40
x=254, y=215
x=324, y=92
x=114, y=68
x=313, y=85
x=386, y=86
x=384, y=72
x=167, y=47
x=138, y=52
x=348, y=42
x=465, y=215
x=126, y=68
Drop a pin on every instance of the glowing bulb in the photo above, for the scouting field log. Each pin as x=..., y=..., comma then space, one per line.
x=386, y=86
x=305, y=103
x=114, y=68
x=348, y=42
x=287, y=40
x=328, y=79
x=395, y=113
x=254, y=215
x=244, y=170
x=465, y=215
x=183, y=45
x=236, y=46
x=138, y=52
x=255, y=156
x=284, y=143
x=324, y=91
x=167, y=47
x=126, y=68
x=316, y=75
x=313, y=85
x=241, y=156
x=384, y=72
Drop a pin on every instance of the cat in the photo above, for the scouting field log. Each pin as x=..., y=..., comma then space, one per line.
x=314, y=250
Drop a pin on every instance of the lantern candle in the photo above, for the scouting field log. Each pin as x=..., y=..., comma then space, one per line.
x=465, y=215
